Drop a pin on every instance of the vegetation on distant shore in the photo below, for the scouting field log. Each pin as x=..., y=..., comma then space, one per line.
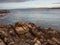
x=28, y=34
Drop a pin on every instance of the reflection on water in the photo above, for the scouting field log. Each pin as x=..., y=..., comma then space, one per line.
x=43, y=17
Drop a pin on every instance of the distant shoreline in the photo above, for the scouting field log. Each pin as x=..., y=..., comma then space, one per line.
x=4, y=11
x=30, y=8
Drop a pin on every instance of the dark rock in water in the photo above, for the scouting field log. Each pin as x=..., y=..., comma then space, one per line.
x=4, y=11
x=28, y=34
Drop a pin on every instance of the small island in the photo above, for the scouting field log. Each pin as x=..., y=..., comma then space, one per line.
x=4, y=11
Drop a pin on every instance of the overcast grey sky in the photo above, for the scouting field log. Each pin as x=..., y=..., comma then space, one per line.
x=13, y=0
x=28, y=4
x=29, y=0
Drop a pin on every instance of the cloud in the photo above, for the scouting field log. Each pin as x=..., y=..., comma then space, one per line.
x=29, y=4
x=13, y=0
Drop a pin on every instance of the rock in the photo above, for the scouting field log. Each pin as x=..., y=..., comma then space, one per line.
x=18, y=24
x=1, y=42
x=56, y=40
x=21, y=28
x=38, y=42
x=8, y=35
x=28, y=34
x=4, y=11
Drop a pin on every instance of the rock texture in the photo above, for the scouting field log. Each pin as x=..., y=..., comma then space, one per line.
x=28, y=34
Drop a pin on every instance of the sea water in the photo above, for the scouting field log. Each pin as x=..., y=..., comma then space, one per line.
x=42, y=17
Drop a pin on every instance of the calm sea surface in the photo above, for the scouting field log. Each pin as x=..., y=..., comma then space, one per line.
x=42, y=17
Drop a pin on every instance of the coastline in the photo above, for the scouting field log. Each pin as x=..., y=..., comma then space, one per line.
x=28, y=33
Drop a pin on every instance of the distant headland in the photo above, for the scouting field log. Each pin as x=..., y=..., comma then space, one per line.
x=4, y=11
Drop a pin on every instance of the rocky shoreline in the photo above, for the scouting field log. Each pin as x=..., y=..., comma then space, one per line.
x=4, y=11
x=28, y=34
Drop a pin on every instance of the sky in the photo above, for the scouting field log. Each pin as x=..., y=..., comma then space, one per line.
x=13, y=0
x=13, y=4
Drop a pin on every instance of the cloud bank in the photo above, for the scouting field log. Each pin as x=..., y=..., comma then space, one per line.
x=13, y=0
x=30, y=4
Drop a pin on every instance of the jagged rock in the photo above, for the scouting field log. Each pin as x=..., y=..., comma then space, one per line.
x=9, y=36
x=28, y=34
x=21, y=28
